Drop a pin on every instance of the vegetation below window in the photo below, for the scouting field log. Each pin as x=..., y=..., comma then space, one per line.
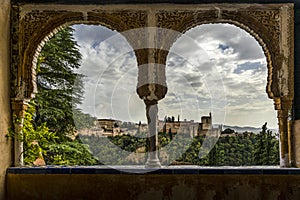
x=237, y=149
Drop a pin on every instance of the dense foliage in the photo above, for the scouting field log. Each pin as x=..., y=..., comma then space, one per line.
x=237, y=149
x=36, y=139
x=49, y=128
x=60, y=88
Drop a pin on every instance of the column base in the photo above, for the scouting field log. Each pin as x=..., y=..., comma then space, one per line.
x=153, y=163
x=295, y=144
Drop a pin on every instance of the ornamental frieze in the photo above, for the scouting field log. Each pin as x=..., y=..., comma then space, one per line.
x=270, y=24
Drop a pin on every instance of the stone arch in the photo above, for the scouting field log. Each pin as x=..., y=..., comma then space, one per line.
x=266, y=34
x=273, y=28
x=271, y=24
x=37, y=34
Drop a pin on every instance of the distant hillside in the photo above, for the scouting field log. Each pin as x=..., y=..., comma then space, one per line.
x=240, y=129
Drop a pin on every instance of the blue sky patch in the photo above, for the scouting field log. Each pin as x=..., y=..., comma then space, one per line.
x=223, y=47
x=255, y=66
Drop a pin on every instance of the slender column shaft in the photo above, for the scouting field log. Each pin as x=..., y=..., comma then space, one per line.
x=284, y=143
x=18, y=145
x=19, y=106
x=151, y=112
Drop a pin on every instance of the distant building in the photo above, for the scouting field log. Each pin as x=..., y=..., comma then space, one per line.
x=112, y=127
x=187, y=127
x=206, y=122
x=109, y=124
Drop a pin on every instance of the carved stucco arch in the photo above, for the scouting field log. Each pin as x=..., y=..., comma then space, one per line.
x=272, y=27
x=270, y=24
x=264, y=25
x=42, y=27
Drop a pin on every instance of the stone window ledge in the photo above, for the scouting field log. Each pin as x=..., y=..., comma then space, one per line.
x=255, y=170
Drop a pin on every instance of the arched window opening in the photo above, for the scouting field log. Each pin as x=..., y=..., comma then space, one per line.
x=221, y=69
x=109, y=66
x=86, y=100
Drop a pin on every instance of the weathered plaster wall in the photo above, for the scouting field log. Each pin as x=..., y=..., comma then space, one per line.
x=5, y=145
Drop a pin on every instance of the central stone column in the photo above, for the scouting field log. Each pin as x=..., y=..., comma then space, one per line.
x=152, y=88
x=152, y=117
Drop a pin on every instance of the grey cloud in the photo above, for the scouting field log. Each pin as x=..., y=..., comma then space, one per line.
x=206, y=67
x=215, y=31
x=185, y=46
x=172, y=102
x=191, y=77
x=174, y=61
x=92, y=34
x=246, y=47
x=229, y=36
x=197, y=84
x=110, y=73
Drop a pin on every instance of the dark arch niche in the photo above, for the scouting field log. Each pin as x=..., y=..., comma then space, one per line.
x=271, y=24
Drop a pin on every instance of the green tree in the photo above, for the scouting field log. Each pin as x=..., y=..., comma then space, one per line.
x=59, y=86
x=266, y=148
x=69, y=153
x=36, y=139
x=50, y=117
x=228, y=131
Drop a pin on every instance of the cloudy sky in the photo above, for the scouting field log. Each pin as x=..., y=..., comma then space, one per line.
x=216, y=68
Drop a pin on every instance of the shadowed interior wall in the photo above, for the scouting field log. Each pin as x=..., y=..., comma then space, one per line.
x=5, y=146
x=153, y=186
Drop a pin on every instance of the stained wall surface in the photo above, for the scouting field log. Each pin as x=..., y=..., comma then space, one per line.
x=153, y=186
x=5, y=146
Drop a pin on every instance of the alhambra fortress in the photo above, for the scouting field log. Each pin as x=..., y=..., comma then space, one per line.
x=113, y=127
x=26, y=25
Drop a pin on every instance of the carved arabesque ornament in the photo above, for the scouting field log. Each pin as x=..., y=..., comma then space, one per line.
x=264, y=23
x=32, y=29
